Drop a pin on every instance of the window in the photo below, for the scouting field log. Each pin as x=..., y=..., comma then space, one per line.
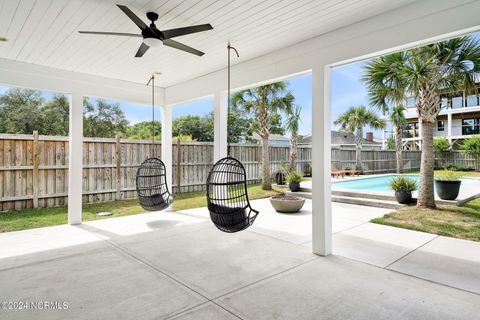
x=441, y=125
x=410, y=130
x=444, y=103
x=411, y=102
x=457, y=102
x=470, y=126
x=472, y=100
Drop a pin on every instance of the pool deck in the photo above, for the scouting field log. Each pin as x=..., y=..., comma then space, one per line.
x=467, y=192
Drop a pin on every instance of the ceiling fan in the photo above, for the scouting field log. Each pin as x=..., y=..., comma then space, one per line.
x=3, y=39
x=152, y=37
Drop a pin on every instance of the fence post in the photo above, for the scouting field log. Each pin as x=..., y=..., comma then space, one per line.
x=118, y=163
x=178, y=171
x=35, y=169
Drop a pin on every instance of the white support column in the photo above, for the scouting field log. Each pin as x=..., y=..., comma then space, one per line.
x=321, y=157
x=166, y=118
x=75, y=159
x=220, y=126
x=449, y=127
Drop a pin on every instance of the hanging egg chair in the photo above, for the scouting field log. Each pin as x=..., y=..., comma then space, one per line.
x=227, y=196
x=151, y=182
x=152, y=189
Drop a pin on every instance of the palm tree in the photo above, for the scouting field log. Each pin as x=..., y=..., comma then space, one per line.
x=425, y=73
x=353, y=121
x=292, y=124
x=261, y=102
x=397, y=118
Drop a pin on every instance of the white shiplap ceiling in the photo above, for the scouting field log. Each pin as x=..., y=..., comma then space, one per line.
x=45, y=32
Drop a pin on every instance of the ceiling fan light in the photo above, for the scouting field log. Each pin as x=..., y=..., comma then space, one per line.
x=153, y=42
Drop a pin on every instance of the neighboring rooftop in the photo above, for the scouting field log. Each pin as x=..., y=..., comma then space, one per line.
x=340, y=138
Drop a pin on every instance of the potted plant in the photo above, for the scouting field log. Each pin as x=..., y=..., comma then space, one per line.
x=287, y=204
x=447, y=184
x=294, y=178
x=281, y=173
x=403, y=187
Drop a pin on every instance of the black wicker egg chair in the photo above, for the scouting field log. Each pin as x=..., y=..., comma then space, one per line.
x=227, y=196
x=152, y=189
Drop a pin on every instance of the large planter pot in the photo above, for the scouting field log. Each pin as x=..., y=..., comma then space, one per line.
x=403, y=197
x=294, y=186
x=287, y=204
x=447, y=190
x=280, y=178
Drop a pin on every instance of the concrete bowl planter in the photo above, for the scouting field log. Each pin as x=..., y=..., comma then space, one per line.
x=287, y=204
x=448, y=190
x=403, y=197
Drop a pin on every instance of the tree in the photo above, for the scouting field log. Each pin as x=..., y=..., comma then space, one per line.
x=55, y=116
x=20, y=111
x=353, y=121
x=472, y=146
x=425, y=73
x=441, y=145
x=200, y=129
x=239, y=125
x=261, y=102
x=397, y=118
x=144, y=130
x=292, y=125
x=390, y=143
x=104, y=119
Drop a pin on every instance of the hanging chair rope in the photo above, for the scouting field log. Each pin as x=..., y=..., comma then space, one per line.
x=227, y=196
x=152, y=189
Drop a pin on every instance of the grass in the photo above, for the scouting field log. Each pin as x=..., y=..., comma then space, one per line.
x=44, y=217
x=461, y=173
x=447, y=220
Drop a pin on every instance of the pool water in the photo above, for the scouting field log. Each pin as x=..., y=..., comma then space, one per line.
x=378, y=183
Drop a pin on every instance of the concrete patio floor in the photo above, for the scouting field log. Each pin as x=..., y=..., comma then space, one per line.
x=178, y=266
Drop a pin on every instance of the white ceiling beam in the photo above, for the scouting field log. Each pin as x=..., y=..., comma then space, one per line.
x=20, y=74
x=394, y=30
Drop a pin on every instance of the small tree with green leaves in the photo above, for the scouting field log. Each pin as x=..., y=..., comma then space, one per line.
x=441, y=145
x=472, y=146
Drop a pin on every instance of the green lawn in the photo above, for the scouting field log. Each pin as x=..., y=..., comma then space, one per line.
x=447, y=220
x=36, y=218
x=462, y=173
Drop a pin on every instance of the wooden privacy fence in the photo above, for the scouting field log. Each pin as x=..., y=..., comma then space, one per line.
x=34, y=169
x=376, y=161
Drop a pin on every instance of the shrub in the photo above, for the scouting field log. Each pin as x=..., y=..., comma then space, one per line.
x=471, y=145
x=441, y=145
x=293, y=176
x=457, y=167
x=390, y=143
x=403, y=184
x=448, y=175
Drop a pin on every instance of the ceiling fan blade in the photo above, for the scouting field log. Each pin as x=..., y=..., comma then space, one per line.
x=181, y=46
x=171, y=33
x=133, y=17
x=141, y=51
x=3, y=39
x=112, y=33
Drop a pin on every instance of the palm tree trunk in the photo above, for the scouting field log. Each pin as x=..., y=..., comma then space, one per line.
x=293, y=151
x=264, y=134
x=426, y=196
x=358, y=150
x=398, y=148
x=266, y=180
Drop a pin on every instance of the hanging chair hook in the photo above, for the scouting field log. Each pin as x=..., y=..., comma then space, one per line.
x=230, y=47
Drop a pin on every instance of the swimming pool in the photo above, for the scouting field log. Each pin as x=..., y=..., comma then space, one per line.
x=378, y=183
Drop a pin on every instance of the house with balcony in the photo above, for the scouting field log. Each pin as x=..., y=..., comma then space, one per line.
x=458, y=120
